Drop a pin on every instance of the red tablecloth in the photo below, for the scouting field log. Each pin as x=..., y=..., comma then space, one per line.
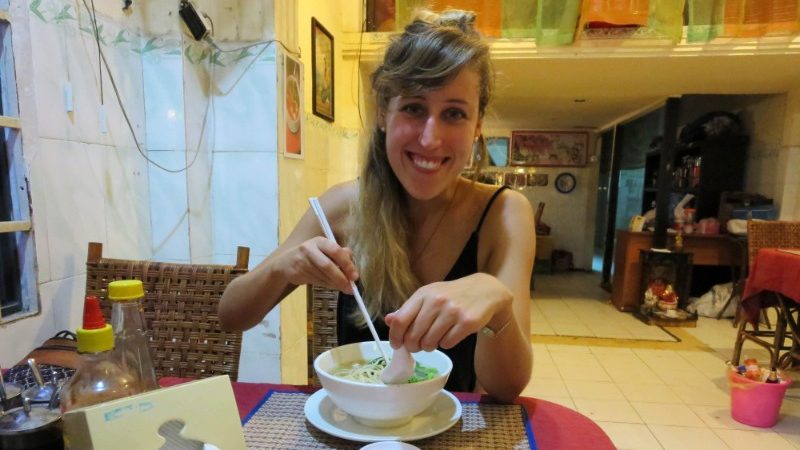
x=773, y=270
x=554, y=426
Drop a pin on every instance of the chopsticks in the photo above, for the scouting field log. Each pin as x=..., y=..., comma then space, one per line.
x=326, y=227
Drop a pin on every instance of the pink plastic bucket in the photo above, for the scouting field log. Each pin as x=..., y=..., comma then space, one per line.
x=756, y=403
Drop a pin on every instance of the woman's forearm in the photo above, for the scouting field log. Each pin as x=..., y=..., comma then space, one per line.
x=249, y=298
x=503, y=363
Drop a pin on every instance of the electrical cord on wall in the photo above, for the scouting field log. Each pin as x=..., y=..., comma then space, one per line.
x=102, y=57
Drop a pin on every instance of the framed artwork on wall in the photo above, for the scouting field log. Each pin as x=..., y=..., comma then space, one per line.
x=322, y=71
x=292, y=117
x=548, y=148
x=498, y=151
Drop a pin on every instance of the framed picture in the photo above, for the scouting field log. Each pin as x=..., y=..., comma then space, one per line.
x=498, y=151
x=322, y=70
x=548, y=148
x=292, y=111
x=537, y=179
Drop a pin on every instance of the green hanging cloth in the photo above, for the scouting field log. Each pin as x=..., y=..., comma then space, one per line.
x=519, y=19
x=556, y=21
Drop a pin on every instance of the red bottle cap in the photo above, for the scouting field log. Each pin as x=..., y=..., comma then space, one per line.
x=92, y=316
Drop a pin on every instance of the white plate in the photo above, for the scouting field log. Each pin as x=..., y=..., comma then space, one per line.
x=441, y=415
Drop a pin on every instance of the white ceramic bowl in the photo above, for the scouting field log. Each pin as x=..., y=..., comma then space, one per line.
x=380, y=405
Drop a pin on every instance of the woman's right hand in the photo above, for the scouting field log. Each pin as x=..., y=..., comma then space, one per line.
x=319, y=261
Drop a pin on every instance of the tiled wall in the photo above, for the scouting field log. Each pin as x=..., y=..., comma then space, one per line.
x=92, y=186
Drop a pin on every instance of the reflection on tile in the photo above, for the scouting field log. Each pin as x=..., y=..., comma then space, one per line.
x=163, y=99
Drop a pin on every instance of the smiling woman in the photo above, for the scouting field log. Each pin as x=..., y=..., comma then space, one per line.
x=432, y=251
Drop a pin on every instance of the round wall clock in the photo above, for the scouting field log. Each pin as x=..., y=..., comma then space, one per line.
x=565, y=182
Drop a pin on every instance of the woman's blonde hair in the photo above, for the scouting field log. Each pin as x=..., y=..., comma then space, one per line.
x=431, y=52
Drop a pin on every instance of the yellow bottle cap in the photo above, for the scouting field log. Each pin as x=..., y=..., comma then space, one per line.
x=122, y=290
x=95, y=341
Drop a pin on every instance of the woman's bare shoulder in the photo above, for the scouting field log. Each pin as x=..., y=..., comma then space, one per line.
x=338, y=199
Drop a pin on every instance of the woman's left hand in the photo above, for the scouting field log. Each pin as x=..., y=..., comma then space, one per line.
x=441, y=314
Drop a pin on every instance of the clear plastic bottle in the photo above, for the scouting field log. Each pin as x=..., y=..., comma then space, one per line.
x=130, y=332
x=100, y=377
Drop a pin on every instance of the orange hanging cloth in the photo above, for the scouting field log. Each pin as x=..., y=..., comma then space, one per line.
x=614, y=13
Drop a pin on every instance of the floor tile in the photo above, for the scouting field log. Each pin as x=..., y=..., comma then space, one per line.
x=598, y=390
x=667, y=414
x=630, y=436
x=649, y=393
x=608, y=410
x=747, y=440
x=682, y=438
x=644, y=392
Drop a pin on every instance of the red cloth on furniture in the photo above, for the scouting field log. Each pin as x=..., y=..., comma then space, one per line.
x=774, y=270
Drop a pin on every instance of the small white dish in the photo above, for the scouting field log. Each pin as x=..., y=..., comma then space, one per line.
x=439, y=417
x=389, y=445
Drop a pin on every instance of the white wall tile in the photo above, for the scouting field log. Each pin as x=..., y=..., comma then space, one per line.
x=73, y=179
x=168, y=207
x=63, y=53
x=128, y=204
x=245, y=201
x=261, y=351
x=163, y=100
x=65, y=298
x=245, y=118
x=22, y=336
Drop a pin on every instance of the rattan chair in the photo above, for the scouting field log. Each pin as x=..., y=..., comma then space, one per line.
x=321, y=325
x=767, y=234
x=180, y=310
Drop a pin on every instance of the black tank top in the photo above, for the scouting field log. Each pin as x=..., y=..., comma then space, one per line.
x=462, y=378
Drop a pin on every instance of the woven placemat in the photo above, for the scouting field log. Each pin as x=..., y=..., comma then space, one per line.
x=280, y=423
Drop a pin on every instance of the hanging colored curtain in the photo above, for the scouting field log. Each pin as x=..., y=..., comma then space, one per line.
x=705, y=20
x=555, y=21
x=741, y=18
x=487, y=20
x=769, y=18
x=519, y=19
x=611, y=13
x=665, y=18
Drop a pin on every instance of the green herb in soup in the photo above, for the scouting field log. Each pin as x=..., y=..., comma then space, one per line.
x=370, y=371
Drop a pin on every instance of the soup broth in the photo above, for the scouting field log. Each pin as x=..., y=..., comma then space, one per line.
x=365, y=371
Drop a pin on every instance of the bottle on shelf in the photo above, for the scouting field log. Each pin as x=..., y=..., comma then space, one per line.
x=100, y=376
x=130, y=335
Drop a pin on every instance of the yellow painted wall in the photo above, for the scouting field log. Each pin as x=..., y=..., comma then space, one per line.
x=330, y=150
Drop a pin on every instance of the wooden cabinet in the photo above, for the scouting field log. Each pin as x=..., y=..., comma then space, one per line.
x=703, y=168
x=710, y=250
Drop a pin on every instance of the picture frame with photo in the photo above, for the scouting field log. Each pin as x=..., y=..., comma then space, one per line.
x=497, y=147
x=548, y=148
x=322, y=57
x=291, y=117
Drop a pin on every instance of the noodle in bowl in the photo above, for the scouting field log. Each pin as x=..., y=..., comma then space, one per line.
x=377, y=404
